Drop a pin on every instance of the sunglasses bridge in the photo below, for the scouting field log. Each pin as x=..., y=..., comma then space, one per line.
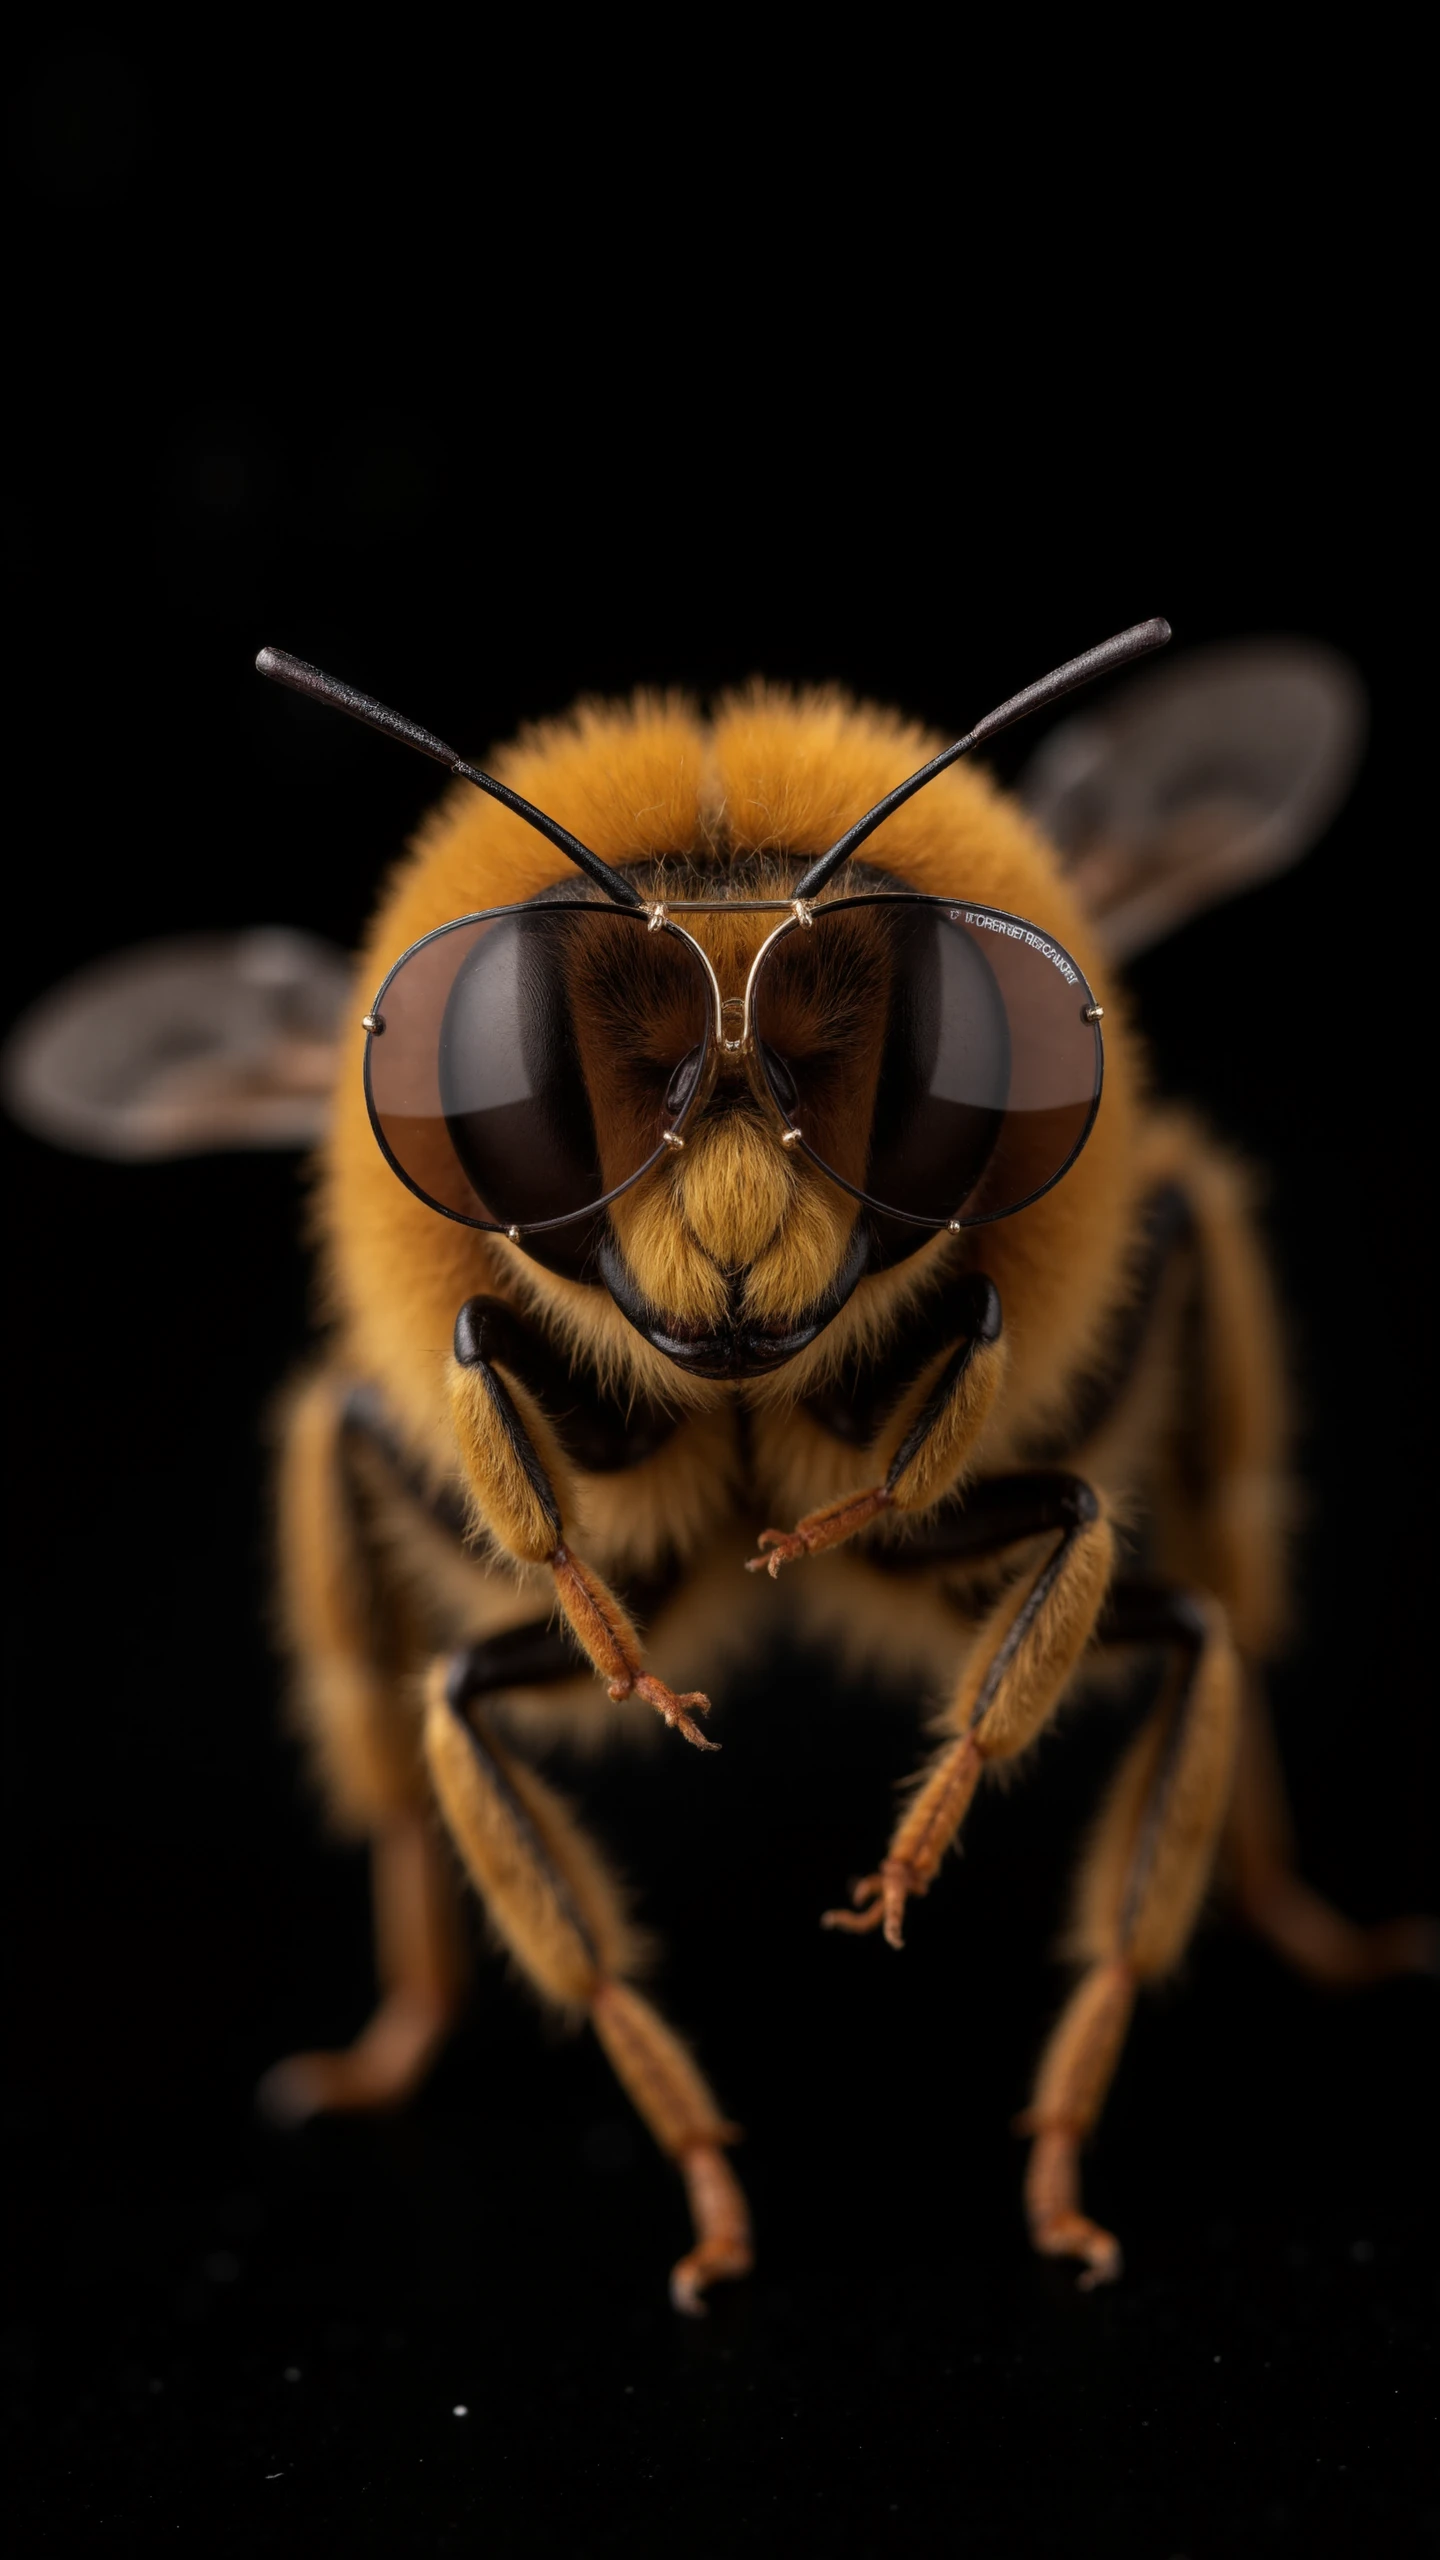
x=734, y=1036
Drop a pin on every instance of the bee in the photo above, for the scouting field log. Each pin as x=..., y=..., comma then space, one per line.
x=742, y=1193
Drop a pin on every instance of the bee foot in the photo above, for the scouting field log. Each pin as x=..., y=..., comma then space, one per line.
x=784, y=1546
x=879, y=1903
x=1058, y=2227
x=1074, y=2235
x=381, y=2069
x=855, y=1922
x=679, y=1708
x=819, y=1530
x=723, y=2247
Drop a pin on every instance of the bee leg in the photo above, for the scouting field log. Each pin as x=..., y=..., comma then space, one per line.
x=1226, y=1533
x=1022, y=1659
x=558, y=1911
x=932, y=1449
x=421, y=1966
x=1297, y=1921
x=515, y=1465
x=1141, y=1883
x=352, y=1643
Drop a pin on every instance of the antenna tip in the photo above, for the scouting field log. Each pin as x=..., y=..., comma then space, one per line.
x=1162, y=630
x=267, y=662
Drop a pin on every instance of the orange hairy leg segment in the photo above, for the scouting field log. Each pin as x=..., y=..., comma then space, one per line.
x=420, y=1956
x=351, y=1634
x=1141, y=1884
x=723, y=2244
x=601, y=1432
x=515, y=1493
x=1022, y=1660
x=933, y=1448
x=960, y=1396
x=421, y=1965
x=666, y=2089
x=354, y=1637
x=553, y=1902
x=1306, y=1930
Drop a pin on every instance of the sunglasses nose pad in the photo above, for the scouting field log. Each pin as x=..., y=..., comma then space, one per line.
x=682, y=1083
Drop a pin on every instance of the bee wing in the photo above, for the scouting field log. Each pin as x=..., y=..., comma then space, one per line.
x=1198, y=781
x=183, y=1047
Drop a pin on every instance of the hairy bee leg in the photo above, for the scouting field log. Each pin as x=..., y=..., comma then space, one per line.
x=1141, y=1883
x=1305, y=1929
x=663, y=2085
x=932, y=1451
x=347, y=1629
x=829, y=1527
x=514, y=1486
x=345, y=1623
x=556, y=1908
x=1231, y=1522
x=421, y=1964
x=1022, y=1660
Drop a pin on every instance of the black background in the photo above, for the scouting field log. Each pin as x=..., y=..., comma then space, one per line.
x=482, y=427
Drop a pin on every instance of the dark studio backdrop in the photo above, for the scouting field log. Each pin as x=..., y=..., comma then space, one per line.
x=231, y=433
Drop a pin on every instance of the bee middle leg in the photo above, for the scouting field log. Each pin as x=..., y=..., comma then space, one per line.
x=557, y=1909
x=1022, y=1659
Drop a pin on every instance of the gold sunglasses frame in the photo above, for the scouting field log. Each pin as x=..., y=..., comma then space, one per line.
x=798, y=915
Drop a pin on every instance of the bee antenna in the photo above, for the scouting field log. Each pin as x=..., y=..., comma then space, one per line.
x=1137, y=642
x=301, y=678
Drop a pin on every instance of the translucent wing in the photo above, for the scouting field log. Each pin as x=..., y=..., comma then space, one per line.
x=183, y=1047
x=1198, y=781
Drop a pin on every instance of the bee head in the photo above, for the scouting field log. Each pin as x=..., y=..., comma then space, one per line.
x=742, y=1240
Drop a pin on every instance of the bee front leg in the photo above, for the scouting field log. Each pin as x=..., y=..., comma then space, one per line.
x=514, y=1487
x=932, y=1449
x=1023, y=1657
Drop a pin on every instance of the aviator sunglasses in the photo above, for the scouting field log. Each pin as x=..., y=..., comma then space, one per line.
x=940, y=1061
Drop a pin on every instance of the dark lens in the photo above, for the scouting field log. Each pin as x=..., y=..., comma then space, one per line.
x=936, y=1059
x=683, y=1082
x=526, y=1060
